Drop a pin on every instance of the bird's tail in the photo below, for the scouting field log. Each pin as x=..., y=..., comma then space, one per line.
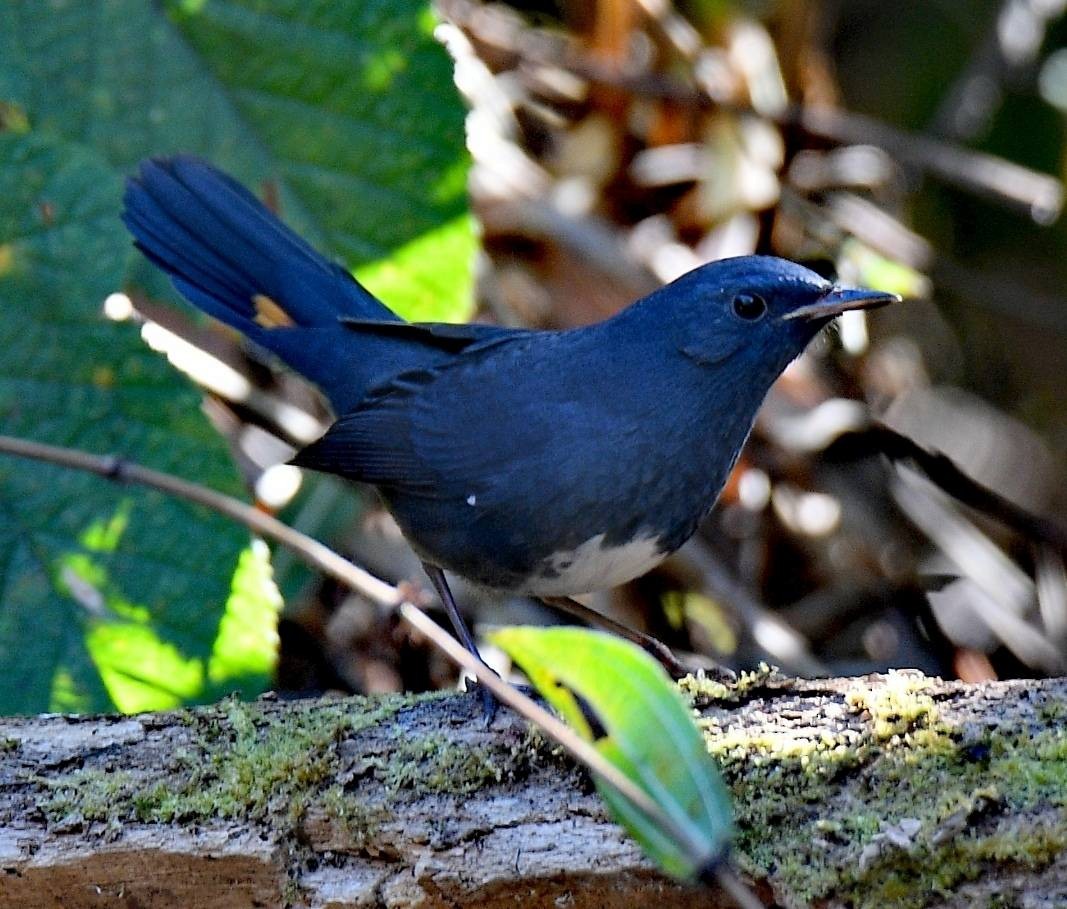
x=235, y=260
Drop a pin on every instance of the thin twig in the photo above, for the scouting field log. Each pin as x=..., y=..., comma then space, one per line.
x=121, y=471
x=943, y=472
x=339, y=568
x=734, y=887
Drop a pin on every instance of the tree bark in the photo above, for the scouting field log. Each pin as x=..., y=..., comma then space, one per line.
x=890, y=790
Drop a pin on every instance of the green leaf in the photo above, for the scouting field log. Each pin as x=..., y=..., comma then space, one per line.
x=143, y=672
x=343, y=109
x=108, y=597
x=648, y=733
x=345, y=115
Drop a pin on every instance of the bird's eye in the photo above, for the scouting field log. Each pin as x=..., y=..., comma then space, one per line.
x=750, y=307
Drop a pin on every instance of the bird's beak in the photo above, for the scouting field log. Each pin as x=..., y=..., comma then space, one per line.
x=842, y=299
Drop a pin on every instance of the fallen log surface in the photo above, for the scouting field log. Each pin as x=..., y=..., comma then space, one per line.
x=893, y=790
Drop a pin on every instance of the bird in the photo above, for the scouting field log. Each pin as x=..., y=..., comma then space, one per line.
x=550, y=463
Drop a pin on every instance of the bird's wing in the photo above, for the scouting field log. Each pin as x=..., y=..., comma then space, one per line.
x=433, y=431
x=442, y=336
x=373, y=443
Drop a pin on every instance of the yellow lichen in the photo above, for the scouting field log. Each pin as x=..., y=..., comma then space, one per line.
x=899, y=704
x=699, y=688
x=810, y=803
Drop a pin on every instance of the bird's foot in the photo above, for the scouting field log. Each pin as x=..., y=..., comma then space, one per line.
x=655, y=648
x=719, y=673
x=490, y=704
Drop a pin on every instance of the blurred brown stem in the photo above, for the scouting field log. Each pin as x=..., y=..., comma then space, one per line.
x=944, y=473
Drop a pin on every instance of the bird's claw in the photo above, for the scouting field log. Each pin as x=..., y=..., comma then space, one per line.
x=489, y=702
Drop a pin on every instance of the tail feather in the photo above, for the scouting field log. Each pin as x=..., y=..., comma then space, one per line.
x=219, y=190
x=229, y=256
x=223, y=249
x=220, y=288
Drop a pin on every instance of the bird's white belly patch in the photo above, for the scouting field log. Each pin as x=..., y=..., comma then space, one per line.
x=592, y=566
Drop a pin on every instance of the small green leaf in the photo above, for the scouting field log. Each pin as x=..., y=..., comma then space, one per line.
x=881, y=273
x=648, y=733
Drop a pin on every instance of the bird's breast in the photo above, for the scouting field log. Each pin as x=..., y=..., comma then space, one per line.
x=594, y=565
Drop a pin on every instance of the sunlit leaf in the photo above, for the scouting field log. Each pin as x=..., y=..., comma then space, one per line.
x=642, y=725
x=344, y=116
x=243, y=656
x=108, y=597
x=354, y=105
x=143, y=672
x=343, y=111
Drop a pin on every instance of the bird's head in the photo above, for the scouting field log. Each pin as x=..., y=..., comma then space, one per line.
x=759, y=310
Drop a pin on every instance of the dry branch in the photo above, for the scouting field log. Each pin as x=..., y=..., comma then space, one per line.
x=883, y=791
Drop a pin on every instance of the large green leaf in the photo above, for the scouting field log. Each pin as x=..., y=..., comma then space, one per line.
x=619, y=698
x=355, y=104
x=345, y=114
x=108, y=597
x=345, y=108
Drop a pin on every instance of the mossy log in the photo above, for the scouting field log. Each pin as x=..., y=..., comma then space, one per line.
x=883, y=791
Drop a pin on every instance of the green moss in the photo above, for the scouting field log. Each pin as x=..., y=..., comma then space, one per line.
x=292, y=894
x=247, y=762
x=1052, y=712
x=243, y=762
x=9, y=745
x=87, y=795
x=435, y=765
x=360, y=822
x=814, y=812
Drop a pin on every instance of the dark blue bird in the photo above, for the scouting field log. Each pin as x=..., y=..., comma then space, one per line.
x=551, y=463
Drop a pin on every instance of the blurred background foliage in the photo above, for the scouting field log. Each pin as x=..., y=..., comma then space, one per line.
x=607, y=147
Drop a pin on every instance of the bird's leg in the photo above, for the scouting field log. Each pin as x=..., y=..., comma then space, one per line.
x=440, y=584
x=646, y=642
